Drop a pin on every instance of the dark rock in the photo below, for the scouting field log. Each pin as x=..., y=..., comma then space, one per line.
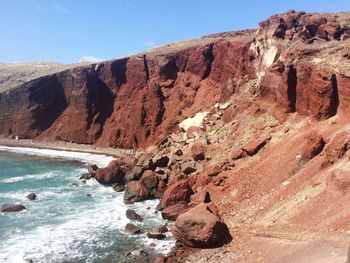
x=132, y=229
x=6, y=208
x=92, y=169
x=156, y=235
x=118, y=187
x=31, y=196
x=191, y=167
x=87, y=176
x=132, y=215
x=198, y=151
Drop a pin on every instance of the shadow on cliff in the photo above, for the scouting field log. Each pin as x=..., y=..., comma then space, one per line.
x=48, y=101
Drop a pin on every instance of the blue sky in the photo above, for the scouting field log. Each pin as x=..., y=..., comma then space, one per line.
x=67, y=30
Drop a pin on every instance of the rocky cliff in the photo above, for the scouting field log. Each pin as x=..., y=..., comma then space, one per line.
x=271, y=158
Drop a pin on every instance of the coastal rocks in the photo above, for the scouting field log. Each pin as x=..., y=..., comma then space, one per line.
x=118, y=187
x=135, y=191
x=156, y=235
x=112, y=174
x=201, y=196
x=31, y=196
x=132, y=215
x=200, y=227
x=150, y=180
x=173, y=211
x=198, y=151
x=178, y=192
x=8, y=208
x=92, y=169
x=132, y=229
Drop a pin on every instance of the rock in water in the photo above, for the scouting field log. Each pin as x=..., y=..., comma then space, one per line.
x=135, y=192
x=11, y=208
x=132, y=229
x=200, y=227
x=132, y=215
x=31, y=196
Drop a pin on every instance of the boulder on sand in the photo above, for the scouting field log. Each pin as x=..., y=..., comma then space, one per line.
x=6, y=208
x=201, y=227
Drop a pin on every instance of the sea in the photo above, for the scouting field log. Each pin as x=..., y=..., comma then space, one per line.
x=71, y=220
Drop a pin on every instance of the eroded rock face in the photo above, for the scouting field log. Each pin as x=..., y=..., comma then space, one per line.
x=200, y=227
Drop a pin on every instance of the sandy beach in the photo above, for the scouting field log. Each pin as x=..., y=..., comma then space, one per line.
x=66, y=146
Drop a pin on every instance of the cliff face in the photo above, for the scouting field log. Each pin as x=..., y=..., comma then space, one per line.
x=130, y=102
x=295, y=62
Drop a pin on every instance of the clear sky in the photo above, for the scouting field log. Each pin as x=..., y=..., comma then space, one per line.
x=67, y=30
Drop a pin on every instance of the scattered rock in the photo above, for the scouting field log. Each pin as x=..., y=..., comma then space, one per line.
x=200, y=227
x=6, y=208
x=173, y=211
x=235, y=155
x=191, y=167
x=313, y=146
x=178, y=192
x=213, y=170
x=160, y=160
x=252, y=147
x=87, y=176
x=162, y=229
x=118, y=187
x=156, y=235
x=150, y=180
x=178, y=152
x=92, y=169
x=31, y=196
x=135, y=191
x=198, y=151
x=132, y=215
x=202, y=196
x=132, y=229
x=193, y=132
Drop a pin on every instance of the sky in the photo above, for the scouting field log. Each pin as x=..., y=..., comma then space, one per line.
x=68, y=30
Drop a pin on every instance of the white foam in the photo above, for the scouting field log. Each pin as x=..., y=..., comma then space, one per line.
x=80, y=230
x=99, y=159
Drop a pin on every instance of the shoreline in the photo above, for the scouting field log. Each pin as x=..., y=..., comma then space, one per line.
x=58, y=149
x=66, y=146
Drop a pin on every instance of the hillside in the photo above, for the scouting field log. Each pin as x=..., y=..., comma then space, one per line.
x=269, y=142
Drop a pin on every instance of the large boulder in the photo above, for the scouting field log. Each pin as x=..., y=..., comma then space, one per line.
x=135, y=191
x=7, y=208
x=178, y=192
x=198, y=151
x=150, y=180
x=201, y=227
x=173, y=211
x=112, y=174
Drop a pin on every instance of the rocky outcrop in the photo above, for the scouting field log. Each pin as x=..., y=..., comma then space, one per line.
x=200, y=227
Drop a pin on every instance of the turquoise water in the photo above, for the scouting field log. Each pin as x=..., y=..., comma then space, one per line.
x=70, y=221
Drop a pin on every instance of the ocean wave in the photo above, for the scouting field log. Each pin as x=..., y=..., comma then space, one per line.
x=81, y=231
x=99, y=159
